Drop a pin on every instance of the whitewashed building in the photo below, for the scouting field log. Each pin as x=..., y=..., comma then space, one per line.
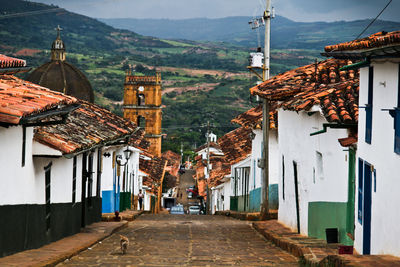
x=378, y=149
x=25, y=200
x=120, y=177
x=253, y=120
x=318, y=105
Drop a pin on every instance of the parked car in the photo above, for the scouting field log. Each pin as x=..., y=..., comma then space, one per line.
x=177, y=210
x=190, y=194
x=194, y=210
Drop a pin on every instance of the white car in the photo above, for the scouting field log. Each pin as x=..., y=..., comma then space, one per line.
x=195, y=210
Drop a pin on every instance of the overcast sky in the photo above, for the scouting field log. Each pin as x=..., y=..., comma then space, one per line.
x=298, y=10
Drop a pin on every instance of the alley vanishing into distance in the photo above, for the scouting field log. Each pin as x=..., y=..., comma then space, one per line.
x=185, y=240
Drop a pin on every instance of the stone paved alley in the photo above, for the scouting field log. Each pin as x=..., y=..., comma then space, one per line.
x=185, y=240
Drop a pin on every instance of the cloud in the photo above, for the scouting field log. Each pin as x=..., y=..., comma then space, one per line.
x=304, y=10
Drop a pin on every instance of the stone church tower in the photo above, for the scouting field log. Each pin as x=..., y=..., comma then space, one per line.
x=142, y=105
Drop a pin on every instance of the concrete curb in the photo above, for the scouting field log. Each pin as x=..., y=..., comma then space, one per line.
x=57, y=252
x=311, y=251
x=86, y=246
x=125, y=216
x=244, y=216
x=316, y=252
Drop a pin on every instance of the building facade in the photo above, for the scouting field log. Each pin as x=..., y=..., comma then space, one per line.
x=142, y=105
x=378, y=147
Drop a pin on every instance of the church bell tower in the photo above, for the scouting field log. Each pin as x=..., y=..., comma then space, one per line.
x=142, y=105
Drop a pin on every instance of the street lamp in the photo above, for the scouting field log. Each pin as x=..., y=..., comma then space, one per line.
x=127, y=155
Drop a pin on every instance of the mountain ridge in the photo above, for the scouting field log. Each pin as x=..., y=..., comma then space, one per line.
x=285, y=33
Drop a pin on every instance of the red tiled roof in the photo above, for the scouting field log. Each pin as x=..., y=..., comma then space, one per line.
x=348, y=141
x=253, y=117
x=377, y=40
x=172, y=157
x=19, y=99
x=10, y=62
x=212, y=144
x=335, y=91
x=87, y=126
x=236, y=145
x=155, y=169
x=220, y=169
x=174, y=162
x=137, y=140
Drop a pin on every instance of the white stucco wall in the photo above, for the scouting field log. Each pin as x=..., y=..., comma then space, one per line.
x=18, y=184
x=61, y=178
x=385, y=231
x=108, y=171
x=242, y=164
x=227, y=194
x=296, y=144
x=256, y=173
x=213, y=150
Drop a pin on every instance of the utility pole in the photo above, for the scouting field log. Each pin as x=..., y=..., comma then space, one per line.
x=265, y=185
x=208, y=168
x=182, y=160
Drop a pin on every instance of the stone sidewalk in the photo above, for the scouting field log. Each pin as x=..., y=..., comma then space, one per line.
x=316, y=252
x=128, y=215
x=246, y=216
x=56, y=252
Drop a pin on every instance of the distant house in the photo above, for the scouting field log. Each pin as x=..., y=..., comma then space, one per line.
x=252, y=119
x=201, y=164
x=318, y=105
x=152, y=173
x=378, y=150
x=236, y=146
x=32, y=200
x=219, y=184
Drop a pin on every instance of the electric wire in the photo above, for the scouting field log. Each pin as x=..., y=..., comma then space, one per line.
x=30, y=13
x=372, y=22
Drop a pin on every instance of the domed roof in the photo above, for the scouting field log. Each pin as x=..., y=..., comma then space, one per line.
x=61, y=76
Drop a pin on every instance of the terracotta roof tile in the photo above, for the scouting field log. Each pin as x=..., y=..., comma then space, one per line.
x=137, y=140
x=253, y=117
x=236, y=145
x=172, y=157
x=155, y=169
x=19, y=99
x=220, y=169
x=377, y=40
x=87, y=126
x=335, y=91
x=212, y=144
x=173, y=162
x=10, y=62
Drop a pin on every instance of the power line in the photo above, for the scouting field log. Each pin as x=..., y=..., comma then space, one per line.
x=372, y=22
x=30, y=13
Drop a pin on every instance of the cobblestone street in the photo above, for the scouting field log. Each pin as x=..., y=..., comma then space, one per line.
x=176, y=240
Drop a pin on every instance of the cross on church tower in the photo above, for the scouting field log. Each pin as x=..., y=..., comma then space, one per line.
x=58, y=47
x=58, y=29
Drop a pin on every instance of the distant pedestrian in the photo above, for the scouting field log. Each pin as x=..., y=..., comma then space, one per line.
x=140, y=199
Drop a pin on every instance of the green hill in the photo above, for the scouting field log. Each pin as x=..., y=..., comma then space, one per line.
x=285, y=33
x=103, y=53
x=201, y=80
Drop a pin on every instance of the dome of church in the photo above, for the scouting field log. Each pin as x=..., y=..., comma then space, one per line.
x=61, y=76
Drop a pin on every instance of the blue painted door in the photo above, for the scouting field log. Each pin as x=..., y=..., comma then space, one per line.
x=367, y=209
